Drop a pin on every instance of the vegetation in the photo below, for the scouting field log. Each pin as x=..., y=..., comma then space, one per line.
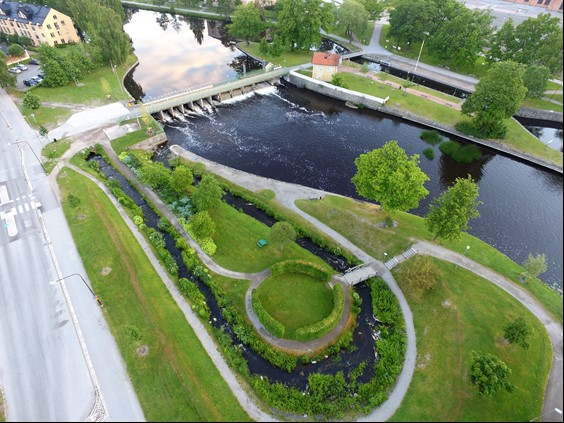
x=166, y=353
x=270, y=323
x=388, y=176
x=281, y=234
x=6, y=78
x=246, y=22
x=518, y=332
x=31, y=101
x=318, y=329
x=353, y=17
x=449, y=213
x=535, y=265
x=429, y=153
x=300, y=22
x=467, y=153
x=431, y=137
x=420, y=275
x=313, y=270
x=536, y=80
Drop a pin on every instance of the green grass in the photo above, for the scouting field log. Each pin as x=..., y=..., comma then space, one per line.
x=176, y=380
x=90, y=93
x=235, y=290
x=56, y=149
x=49, y=117
x=236, y=236
x=295, y=300
x=402, y=100
x=538, y=103
x=288, y=57
x=356, y=221
x=446, y=334
x=553, y=86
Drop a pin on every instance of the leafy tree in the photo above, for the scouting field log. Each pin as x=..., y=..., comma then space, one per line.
x=462, y=38
x=536, y=80
x=202, y=225
x=180, y=180
x=497, y=96
x=339, y=81
x=6, y=78
x=388, y=176
x=281, y=234
x=16, y=50
x=535, y=265
x=43, y=131
x=263, y=46
x=410, y=19
x=209, y=193
x=450, y=212
x=518, y=332
x=156, y=175
x=31, y=101
x=246, y=22
x=352, y=16
x=300, y=22
x=374, y=8
x=489, y=374
x=420, y=275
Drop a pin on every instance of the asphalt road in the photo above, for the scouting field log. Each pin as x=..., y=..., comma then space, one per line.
x=58, y=361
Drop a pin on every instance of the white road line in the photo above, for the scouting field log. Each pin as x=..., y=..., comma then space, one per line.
x=6, y=120
x=4, y=196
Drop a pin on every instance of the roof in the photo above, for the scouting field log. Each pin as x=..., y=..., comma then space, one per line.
x=326, y=58
x=23, y=12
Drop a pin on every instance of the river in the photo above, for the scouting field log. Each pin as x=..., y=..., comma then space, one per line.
x=298, y=136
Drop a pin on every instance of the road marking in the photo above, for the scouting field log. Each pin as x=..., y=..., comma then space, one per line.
x=6, y=120
x=10, y=222
x=4, y=196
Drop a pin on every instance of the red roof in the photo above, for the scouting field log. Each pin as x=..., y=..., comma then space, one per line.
x=326, y=58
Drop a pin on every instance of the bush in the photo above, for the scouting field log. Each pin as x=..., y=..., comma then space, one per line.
x=518, y=332
x=74, y=201
x=460, y=153
x=303, y=267
x=190, y=290
x=270, y=323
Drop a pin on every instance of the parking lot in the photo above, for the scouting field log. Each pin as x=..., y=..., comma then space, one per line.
x=32, y=70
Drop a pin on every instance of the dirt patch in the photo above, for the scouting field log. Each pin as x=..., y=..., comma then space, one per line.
x=447, y=303
x=424, y=361
x=106, y=271
x=143, y=351
x=81, y=216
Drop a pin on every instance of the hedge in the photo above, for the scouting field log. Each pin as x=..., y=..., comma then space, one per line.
x=270, y=323
x=301, y=266
x=318, y=329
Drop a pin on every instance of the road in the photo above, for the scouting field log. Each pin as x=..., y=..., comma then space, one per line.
x=58, y=360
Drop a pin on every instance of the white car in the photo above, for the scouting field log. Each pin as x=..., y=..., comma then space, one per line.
x=15, y=70
x=21, y=67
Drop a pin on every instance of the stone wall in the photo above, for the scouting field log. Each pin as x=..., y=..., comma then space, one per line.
x=548, y=115
x=152, y=143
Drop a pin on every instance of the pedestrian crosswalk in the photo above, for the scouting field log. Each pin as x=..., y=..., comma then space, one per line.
x=14, y=213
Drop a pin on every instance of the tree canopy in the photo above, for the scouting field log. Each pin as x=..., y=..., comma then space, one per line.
x=281, y=234
x=246, y=22
x=352, y=16
x=449, y=213
x=411, y=19
x=518, y=332
x=489, y=374
x=535, y=80
x=209, y=193
x=497, y=96
x=6, y=78
x=300, y=22
x=389, y=177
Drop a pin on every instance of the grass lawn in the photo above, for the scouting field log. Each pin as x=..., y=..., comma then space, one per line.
x=53, y=151
x=468, y=313
x=288, y=57
x=537, y=103
x=553, y=86
x=355, y=221
x=176, y=380
x=90, y=92
x=295, y=300
x=236, y=236
x=49, y=117
x=235, y=290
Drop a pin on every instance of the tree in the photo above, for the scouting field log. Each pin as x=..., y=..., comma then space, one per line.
x=300, y=22
x=462, y=38
x=339, y=81
x=31, y=101
x=201, y=225
x=388, y=176
x=6, y=78
x=352, y=16
x=246, y=22
x=16, y=50
x=180, y=180
x=209, y=193
x=536, y=80
x=535, y=265
x=420, y=275
x=43, y=131
x=410, y=19
x=449, y=214
x=497, y=96
x=374, y=8
x=489, y=374
x=281, y=234
x=518, y=332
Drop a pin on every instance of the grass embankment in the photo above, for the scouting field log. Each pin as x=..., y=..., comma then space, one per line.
x=295, y=300
x=123, y=143
x=356, y=221
x=175, y=379
x=537, y=103
x=517, y=137
x=468, y=313
x=53, y=151
x=288, y=57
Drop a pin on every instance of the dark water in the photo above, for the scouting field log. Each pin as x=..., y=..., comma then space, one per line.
x=297, y=136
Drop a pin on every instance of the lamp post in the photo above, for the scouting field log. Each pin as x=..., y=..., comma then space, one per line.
x=25, y=142
x=557, y=410
x=87, y=286
x=420, y=50
x=467, y=248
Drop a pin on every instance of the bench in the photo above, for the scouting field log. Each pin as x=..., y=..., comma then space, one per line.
x=262, y=242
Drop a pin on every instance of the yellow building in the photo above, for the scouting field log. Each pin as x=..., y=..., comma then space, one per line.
x=42, y=24
x=325, y=65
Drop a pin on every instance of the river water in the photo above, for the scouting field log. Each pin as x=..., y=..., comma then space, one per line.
x=297, y=136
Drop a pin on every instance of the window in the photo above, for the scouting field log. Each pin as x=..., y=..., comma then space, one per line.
x=54, y=16
x=48, y=26
x=56, y=43
x=52, y=35
x=547, y=2
x=56, y=25
x=63, y=23
x=62, y=40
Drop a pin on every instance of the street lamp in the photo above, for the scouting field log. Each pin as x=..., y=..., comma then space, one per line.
x=87, y=286
x=420, y=50
x=559, y=411
x=467, y=248
x=33, y=151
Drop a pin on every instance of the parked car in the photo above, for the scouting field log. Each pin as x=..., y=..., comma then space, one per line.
x=14, y=70
x=34, y=62
x=34, y=80
x=21, y=67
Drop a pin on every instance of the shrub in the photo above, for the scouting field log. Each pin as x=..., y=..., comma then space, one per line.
x=270, y=323
x=74, y=201
x=460, y=153
x=208, y=246
x=431, y=137
x=301, y=266
x=518, y=332
x=429, y=153
x=190, y=290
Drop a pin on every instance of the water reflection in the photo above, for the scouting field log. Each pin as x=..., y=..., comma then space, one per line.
x=451, y=169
